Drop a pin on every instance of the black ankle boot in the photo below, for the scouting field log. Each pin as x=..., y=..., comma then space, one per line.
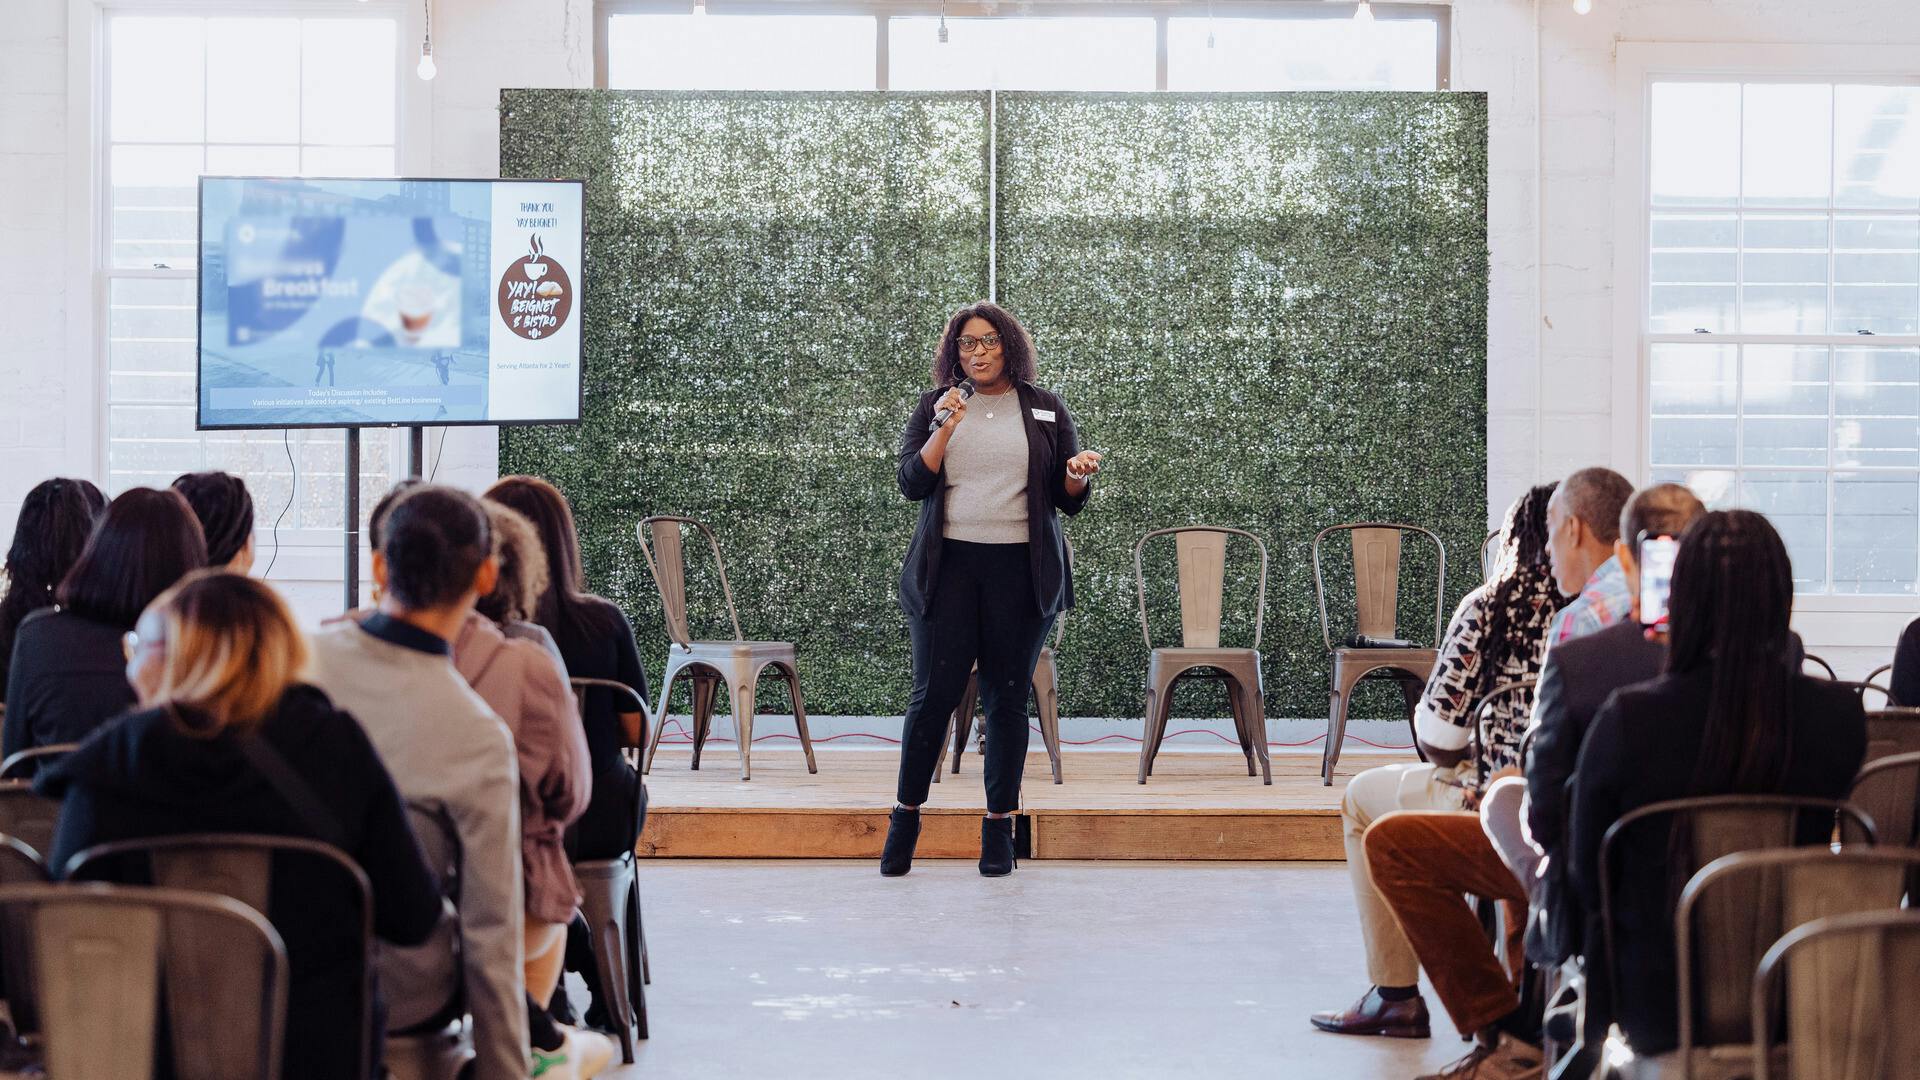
x=996, y=846
x=903, y=832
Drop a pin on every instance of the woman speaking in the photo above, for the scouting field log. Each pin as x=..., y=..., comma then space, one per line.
x=990, y=457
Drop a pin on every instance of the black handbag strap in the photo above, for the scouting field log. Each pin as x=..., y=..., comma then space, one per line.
x=299, y=795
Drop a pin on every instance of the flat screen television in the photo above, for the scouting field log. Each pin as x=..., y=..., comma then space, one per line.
x=356, y=303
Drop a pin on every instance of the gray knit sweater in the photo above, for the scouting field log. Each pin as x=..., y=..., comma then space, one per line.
x=986, y=467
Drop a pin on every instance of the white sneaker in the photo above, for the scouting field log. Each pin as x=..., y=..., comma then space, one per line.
x=555, y=1064
x=589, y=1051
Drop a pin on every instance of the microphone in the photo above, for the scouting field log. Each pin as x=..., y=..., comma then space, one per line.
x=966, y=389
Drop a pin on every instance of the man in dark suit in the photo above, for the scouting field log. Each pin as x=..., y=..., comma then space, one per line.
x=1423, y=862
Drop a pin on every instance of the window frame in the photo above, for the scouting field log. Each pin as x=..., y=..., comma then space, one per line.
x=1639, y=65
x=306, y=554
x=1441, y=15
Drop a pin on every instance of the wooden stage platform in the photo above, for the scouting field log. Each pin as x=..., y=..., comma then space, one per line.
x=1195, y=806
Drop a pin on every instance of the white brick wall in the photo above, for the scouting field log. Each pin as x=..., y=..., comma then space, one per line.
x=34, y=442
x=1549, y=75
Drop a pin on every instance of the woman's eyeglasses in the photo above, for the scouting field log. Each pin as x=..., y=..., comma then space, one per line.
x=969, y=343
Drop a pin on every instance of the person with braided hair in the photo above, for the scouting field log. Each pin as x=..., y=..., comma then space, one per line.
x=1498, y=635
x=225, y=509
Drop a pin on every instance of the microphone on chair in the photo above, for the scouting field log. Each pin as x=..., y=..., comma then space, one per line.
x=966, y=389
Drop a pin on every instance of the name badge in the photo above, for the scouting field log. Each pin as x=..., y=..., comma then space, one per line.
x=1043, y=414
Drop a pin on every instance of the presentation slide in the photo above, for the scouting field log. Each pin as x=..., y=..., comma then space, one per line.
x=342, y=303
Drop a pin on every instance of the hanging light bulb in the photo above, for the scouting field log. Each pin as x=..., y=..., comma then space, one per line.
x=1209, y=24
x=942, y=35
x=425, y=68
x=699, y=7
x=1582, y=7
x=1363, y=14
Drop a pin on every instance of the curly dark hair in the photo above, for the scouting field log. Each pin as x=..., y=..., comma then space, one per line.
x=56, y=518
x=1015, y=345
x=1522, y=598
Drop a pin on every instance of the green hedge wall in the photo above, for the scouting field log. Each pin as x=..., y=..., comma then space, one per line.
x=1269, y=310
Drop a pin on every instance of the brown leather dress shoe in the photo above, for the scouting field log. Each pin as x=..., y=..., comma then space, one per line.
x=1373, y=1015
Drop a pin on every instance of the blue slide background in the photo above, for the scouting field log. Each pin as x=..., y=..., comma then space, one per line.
x=301, y=287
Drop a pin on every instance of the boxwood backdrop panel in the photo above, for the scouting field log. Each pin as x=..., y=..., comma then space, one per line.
x=1269, y=309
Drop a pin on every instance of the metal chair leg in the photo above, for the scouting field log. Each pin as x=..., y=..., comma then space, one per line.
x=705, y=685
x=1048, y=699
x=1236, y=703
x=800, y=715
x=1255, y=707
x=1146, y=733
x=660, y=720
x=963, y=719
x=742, y=694
x=634, y=938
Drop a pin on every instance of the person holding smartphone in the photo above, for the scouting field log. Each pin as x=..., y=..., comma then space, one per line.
x=1423, y=863
x=993, y=460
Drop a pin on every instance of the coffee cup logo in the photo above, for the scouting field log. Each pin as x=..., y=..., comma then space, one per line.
x=535, y=294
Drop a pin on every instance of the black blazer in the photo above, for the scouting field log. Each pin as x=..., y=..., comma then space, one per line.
x=1576, y=680
x=69, y=676
x=1049, y=445
x=1642, y=749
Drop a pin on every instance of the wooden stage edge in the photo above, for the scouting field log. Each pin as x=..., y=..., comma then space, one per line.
x=1196, y=806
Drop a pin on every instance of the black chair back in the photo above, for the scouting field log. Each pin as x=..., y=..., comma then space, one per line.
x=22, y=764
x=244, y=867
x=425, y=984
x=107, y=958
x=27, y=816
x=1713, y=826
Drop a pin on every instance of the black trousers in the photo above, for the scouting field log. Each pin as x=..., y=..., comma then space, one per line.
x=982, y=612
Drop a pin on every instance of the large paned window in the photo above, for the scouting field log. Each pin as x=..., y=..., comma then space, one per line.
x=868, y=44
x=189, y=96
x=1782, y=315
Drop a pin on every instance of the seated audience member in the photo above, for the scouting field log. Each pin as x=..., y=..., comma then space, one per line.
x=1425, y=864
x=1906, y=667
x=55, y=520
x=527, y=687
x=1578, y=678
x=225, y=509
x=393, y=671
x=1498, y=635
x=1583, y=523
x=597, y=643
x=1732, y=715
x=69, y=667
x=217, y=661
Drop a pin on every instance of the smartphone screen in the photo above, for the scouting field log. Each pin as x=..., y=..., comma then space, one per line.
x=1656, y=579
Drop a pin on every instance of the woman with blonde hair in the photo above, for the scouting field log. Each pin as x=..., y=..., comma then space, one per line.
x=223, y=731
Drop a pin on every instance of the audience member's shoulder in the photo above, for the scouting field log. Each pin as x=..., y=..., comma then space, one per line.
x=1607, y=642
x=58, y=624
x=1827, y=696
x=605, y=615
x=1647, y=702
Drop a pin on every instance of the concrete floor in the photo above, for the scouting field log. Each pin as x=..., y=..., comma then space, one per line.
x=789, y=969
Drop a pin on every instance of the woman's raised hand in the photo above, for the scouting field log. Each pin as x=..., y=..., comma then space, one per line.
x=1083, y=465
x=956, y=401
